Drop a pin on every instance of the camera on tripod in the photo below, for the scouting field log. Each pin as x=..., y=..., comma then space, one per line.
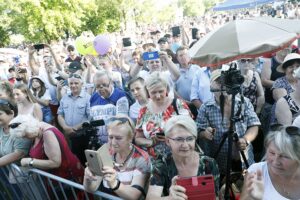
x=89, y=129
x=232, y=79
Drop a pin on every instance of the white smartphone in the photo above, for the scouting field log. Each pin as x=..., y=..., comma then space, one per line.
x=94, y=162
x=105, y=155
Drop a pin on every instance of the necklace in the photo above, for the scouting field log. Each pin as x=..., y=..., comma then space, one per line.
x=123, y=163
x=287, y=193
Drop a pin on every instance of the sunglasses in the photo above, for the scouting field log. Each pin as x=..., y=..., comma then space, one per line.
x=14, y=125
x=290, y=130
x=154, y=61
x=246, y=60
x=122, y=120
x=75, y=76
x=181, y=140
x=6, y=103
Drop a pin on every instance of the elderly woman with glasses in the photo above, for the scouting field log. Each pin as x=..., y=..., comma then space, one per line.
x=186, y=161
x=281, y=168
x=153, y=116
x=131, y=169
x=11, y=149
x=50, y=150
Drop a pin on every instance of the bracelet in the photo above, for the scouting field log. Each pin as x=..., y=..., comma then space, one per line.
x=117, y=186
x=31, y=163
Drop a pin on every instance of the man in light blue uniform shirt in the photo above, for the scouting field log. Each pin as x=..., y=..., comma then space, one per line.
x=200, y=90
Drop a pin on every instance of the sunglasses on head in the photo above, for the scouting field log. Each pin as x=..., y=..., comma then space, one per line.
x=290, y=130
x=7, y=103
x=75, y=76
x=14, y=125
x=122, y=120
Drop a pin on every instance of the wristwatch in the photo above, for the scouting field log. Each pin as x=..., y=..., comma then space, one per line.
x=31, y=163
x=117, y=186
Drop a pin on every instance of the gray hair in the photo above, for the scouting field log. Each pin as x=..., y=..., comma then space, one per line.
x=29, y=126
x=286, y=143
x=155, y=79
x=181, y=120
x=101, y=73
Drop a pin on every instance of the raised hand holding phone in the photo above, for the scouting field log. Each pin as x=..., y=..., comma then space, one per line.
x=176, y=191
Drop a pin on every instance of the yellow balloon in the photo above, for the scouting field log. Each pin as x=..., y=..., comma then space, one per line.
x=84, y=45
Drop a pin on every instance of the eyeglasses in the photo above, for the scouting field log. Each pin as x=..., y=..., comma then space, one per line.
x=7, y=103
x=181, y=140
x=246, y=60
x=154, y=61
x=103, y=85
x=14, y=125
x=75, y=76
x=290, y=130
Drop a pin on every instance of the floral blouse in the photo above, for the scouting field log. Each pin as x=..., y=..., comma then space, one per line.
x=151, y=125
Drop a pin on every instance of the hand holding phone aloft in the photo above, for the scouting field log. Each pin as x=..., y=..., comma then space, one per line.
x=98, y=159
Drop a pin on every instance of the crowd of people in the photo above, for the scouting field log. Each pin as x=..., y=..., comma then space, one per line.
x=163, y=117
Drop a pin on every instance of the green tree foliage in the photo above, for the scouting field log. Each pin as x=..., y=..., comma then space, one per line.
x=194, y=8
x=46, y=20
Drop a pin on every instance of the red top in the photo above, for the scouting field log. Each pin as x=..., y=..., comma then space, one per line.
x=70, y=167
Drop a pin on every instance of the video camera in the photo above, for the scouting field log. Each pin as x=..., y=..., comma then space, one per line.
x=232, y=79
x=90, y=130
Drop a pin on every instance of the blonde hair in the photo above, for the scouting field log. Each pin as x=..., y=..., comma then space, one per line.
x=183, y=121
x=129, y=125
x=29, y=126
x=25, y=90
x=155, y=79
x=286, y=143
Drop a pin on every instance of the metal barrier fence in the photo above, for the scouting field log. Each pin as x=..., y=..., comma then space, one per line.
x=32, y=184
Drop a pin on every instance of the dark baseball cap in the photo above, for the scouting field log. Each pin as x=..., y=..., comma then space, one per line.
x=162, y=40
x=74, y=66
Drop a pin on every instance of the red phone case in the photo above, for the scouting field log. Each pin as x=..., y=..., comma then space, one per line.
x=198, y=187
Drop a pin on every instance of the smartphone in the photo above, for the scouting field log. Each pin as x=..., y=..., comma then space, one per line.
x=175, y=31
x=38, y=46
x=105, y=155
x=22, y=70
x=94, y=162
x=126, y=42
x=150, y=55
x=59, y=78
x=194, y=33
x=198, y=187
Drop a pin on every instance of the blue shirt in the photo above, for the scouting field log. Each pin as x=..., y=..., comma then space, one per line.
x=200, y=89
x=210, y=116
x=102, y=108
x=184, y=82
x=75, y=110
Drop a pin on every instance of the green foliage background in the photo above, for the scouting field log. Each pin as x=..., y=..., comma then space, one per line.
x=46, y=20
